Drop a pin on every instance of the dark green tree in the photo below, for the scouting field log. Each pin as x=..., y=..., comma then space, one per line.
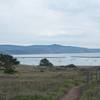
x=45, y=62
x=7, y=62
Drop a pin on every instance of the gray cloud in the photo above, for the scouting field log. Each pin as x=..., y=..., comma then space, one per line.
x=68, y=22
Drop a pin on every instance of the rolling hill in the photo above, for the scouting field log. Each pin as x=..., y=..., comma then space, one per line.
x=44, y=49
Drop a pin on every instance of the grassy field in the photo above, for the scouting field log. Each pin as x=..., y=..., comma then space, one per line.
x=92, y=92
x=31, y=83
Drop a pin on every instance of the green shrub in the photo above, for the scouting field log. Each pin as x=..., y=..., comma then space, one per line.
x=45, y=62
x=7, y=62
x=9, y=71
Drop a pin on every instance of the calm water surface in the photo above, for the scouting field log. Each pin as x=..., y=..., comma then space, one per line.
x=61, y=59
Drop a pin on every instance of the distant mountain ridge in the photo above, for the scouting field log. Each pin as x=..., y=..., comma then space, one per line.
x=45, y=49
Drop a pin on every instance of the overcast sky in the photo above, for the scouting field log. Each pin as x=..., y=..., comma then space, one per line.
x=67, y=22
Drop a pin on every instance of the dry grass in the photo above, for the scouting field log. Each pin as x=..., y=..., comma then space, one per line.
x=31, y=81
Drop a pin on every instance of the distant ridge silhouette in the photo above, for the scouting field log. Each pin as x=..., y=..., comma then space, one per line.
x=45, y=49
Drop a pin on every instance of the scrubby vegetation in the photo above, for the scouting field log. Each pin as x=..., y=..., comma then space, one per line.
x=92, y=92
x=7, y=63
x=32, y=84
x=45, y=62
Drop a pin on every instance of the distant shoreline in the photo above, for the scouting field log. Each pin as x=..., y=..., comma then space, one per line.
x=78, y=66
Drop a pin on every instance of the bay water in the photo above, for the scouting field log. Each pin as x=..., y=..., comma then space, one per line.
x=81, y=59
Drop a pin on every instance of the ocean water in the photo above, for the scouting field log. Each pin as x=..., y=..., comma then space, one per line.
x=82, y=59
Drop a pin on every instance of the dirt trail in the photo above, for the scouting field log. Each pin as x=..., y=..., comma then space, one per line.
x=73, y=94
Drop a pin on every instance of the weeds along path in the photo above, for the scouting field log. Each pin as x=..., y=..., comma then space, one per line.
x=73, y=94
